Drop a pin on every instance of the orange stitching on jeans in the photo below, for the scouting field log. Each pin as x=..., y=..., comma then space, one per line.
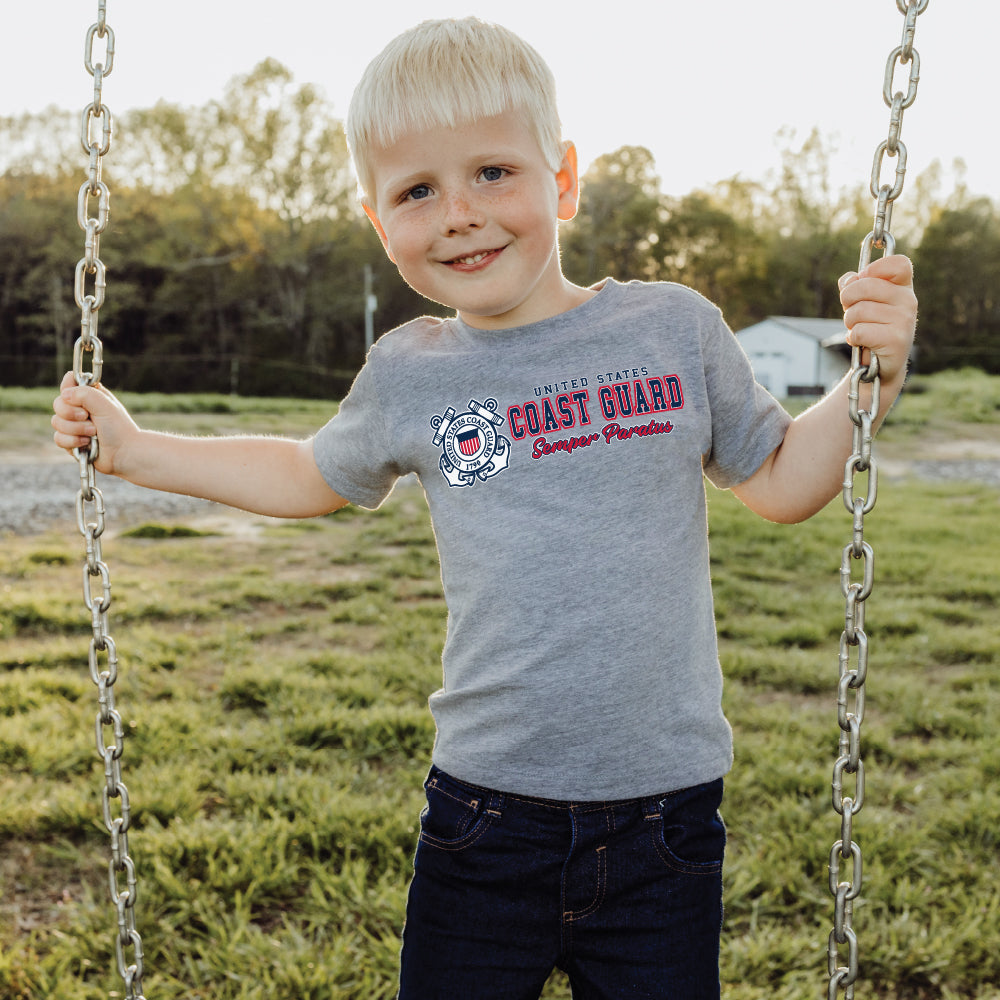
x=602, y=886
x=470, y=803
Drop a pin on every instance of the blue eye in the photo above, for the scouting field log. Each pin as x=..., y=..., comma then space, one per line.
x=419, y=192
x=492, y=173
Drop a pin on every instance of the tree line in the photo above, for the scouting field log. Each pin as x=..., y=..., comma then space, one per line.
x=237, y=255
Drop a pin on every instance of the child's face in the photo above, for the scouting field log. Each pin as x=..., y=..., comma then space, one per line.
x=469, y=216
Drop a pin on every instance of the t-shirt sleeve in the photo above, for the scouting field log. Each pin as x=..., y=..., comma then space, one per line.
x=352, y=450
x=748, y=423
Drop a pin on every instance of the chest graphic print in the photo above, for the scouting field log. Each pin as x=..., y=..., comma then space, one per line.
x=563, y=418
x=471, y=446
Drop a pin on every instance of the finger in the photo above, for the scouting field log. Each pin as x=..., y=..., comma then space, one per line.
x=70, y=441
x=878, y=290
x=70, y=393
x=73, y=424
x=61, y=406
x=65, y=405
x=86, y=397
x=895, y=268
x=845, y=279
x=871, y=311
x=869, y=335
x=69, y=412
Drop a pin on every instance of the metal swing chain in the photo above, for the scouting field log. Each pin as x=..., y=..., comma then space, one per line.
x=851, y=688
x=95, y=136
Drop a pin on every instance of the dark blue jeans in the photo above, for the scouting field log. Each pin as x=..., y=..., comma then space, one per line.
x=626, y=896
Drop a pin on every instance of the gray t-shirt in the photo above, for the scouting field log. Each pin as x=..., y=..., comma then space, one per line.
x=563, y=464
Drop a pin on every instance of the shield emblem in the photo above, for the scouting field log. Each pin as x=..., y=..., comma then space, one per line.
x=468, y=442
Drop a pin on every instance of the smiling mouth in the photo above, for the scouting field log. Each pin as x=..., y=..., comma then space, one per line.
x=474, y=259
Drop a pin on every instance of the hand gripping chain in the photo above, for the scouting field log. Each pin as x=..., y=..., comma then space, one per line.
x=95, y=136
x=854, y=642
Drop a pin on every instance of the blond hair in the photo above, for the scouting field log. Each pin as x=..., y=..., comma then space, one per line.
x=447, y=73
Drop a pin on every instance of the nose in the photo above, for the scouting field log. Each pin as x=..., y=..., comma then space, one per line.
x=460, y=212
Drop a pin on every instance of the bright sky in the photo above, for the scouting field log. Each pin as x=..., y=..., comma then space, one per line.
x=705, y=85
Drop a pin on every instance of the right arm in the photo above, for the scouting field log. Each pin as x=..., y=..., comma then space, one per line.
x=266, y=475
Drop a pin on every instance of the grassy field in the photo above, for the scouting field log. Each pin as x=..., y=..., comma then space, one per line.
x=274, y=683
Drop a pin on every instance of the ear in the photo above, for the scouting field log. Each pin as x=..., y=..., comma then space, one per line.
x=370, y=212
x=568, y=184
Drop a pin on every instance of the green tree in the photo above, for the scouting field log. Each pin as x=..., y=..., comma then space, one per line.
x=958, y=269
x=40, y=244
x=708, y=246
x=235, y=239
x=40, y=143
x=616, y=230
x=288, y=152
x=281, y=154
x=813, y=233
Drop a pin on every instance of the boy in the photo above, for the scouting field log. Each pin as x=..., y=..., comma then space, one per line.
x=561, y=435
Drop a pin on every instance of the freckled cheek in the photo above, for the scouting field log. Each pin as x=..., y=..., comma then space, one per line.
x=405, y=244
x=531, y=216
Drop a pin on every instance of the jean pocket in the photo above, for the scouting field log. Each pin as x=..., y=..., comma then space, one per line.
x=456, y=814
x=689, y=834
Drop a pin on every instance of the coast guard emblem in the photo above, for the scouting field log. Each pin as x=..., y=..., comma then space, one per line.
x=471, y=447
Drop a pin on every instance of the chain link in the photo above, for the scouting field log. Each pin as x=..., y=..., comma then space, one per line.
x=92, y=213
x=853, y=657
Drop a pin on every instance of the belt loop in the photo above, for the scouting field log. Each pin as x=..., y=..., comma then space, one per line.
x=652, y=808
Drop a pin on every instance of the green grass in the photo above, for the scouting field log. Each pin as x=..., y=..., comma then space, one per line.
x=968, y=396
x=24, y=414
x=273, y=690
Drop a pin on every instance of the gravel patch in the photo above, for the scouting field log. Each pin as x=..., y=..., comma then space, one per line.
x=38, y=496
x=961, y=470
x=42, y=495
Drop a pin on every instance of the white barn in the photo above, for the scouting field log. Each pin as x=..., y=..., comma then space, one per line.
x=792, y=356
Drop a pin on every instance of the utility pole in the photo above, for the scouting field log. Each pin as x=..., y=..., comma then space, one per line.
x=371, y=304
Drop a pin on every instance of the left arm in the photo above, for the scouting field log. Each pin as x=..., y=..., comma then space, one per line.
x=806, y=470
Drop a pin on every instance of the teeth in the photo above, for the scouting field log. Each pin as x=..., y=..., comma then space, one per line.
x=471, y=260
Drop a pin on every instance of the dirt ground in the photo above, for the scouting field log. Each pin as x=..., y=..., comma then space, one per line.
x=40, y=484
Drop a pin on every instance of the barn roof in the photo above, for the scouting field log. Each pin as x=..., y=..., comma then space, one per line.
x=826, y=332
